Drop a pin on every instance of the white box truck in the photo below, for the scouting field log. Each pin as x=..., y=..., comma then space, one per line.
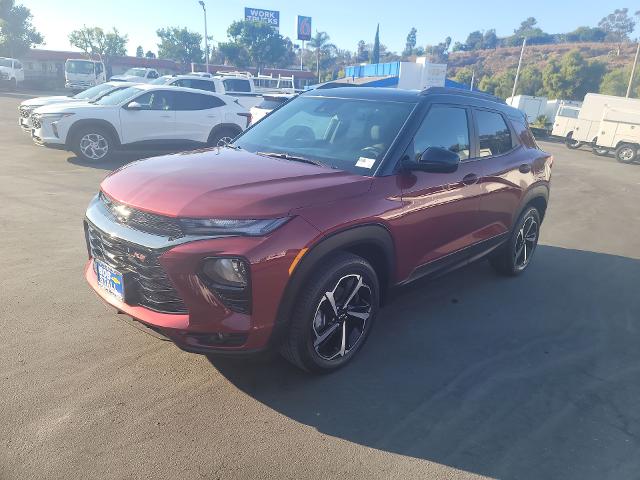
x=619, y=131
x=531, y=106
x=564, y=123
x=11, y=71
x=80, y=74
x=590, y=116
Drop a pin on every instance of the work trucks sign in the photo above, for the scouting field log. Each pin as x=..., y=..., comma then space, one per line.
x=270, y=17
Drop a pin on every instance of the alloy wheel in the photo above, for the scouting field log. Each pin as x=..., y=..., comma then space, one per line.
x=94, y=146
x=224, y=141
x=526, y=242
x=341, y=317
x=626, y=154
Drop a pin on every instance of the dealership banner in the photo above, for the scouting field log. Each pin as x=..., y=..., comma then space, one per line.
x=304, y=28
x=270, y=17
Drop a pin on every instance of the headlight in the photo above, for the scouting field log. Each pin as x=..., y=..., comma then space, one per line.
x=54, y=117
x=212, y=226
x=230, y=272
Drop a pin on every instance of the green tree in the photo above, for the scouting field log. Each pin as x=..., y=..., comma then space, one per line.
x=572, y=77
x=586, y=34
x=362, y=53
x=180, y=44
x=261, y=42
x=323, y=48
x=233, y=54
x=499, y=85
x=139, y=51
x=149, y=54
x=530, y=81
x=94, y=42
x=490, y=39
x=17, y=34
x=410, y=45
x=474, y=41
x=617, y=26
x=375, y=53
x=616, y=81
x=464, y=75
x=440, y=52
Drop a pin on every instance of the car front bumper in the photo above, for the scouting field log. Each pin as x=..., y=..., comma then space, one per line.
x=207, y=324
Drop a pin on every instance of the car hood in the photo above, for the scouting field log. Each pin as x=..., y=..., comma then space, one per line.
x=6, y=69
x=126, y=78
x=224, y=183
x=40, y=101
x=69, y=107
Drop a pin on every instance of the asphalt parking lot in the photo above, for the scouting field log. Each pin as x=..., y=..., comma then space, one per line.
x=470, y=375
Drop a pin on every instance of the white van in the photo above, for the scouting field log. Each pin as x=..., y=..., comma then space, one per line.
x=564, y=123
x=80, y=74
x=11, y=71
x=619, y=131
x=588, y=124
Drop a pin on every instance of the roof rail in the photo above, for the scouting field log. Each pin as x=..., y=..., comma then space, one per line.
x=235, y=74
x=458, y=91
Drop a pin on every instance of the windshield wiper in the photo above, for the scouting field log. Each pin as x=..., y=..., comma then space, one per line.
x=293, y=158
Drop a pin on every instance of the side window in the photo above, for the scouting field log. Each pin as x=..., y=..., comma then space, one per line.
x=18, y=65
x=493, y=133
x=153, y=74
x=192, y=101
x=98, y=68
x=156, y=100
x=236, y=85
x=445, y=127
x=203, y=85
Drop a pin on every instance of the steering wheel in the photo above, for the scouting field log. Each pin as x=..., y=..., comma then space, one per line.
x=300, y=133
x=371, y=152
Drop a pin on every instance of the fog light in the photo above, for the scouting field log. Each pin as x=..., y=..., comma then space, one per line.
x=230, y=272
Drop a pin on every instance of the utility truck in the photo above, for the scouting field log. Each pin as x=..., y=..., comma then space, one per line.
x=619, y=131
x=80, y=74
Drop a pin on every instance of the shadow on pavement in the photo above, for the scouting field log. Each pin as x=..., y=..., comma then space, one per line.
x=119, y=159
x=530, y=377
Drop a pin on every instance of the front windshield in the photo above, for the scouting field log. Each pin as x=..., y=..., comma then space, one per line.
x=79, y=66
x=94, y=92
x=5, y=62
x=348, y=134
x=119, y=96
x=136, y=72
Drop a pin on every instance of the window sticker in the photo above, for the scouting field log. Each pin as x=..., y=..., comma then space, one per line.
x=365, y=162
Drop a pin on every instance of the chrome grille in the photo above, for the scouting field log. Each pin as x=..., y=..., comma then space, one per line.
x=25, y=112
x=143, y=221
x=145, y=281
x=35, y=122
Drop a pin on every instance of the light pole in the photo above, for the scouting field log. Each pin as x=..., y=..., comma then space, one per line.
x=206, y=41
x=633, y=71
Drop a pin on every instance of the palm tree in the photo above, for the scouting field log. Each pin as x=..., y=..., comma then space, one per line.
x=320, y=42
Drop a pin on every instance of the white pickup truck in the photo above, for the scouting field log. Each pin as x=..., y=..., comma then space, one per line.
x=137, y=75
x=11, y=71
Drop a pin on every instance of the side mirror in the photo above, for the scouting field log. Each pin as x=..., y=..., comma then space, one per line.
x=133, y=106
x=437, y=160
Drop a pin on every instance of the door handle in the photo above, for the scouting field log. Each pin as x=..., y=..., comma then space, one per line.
x=525, y=168
x=470, y=179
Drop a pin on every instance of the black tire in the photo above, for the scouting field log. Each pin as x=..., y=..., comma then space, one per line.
x=601, y=152
x=627, y=153
x=308, y=348
x=571, y=143
x=102, y=139
x=221, y=136
x=508, y=259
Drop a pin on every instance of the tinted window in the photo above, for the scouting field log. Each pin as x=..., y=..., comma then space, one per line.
x=493, y=133
x=196, y=83
x=194, y=101
x=156, y=100
x=444, y=127
x=18, y=65
x=98, y=68
x=118, y=97
x=568, y=112
x=236, y=85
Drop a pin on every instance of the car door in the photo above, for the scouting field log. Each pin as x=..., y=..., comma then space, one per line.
x=196, y=115
x=440, y=209
x=505, y=168
x=153, y=122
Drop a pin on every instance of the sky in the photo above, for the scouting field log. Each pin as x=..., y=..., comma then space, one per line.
x=345, y=21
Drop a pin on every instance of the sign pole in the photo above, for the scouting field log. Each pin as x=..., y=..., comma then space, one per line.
x=301, y=56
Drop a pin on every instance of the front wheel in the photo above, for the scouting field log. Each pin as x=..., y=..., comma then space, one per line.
x=93, y=144
x=627, y=153
x=514, y=257
x=571, y=143
x=601, y=152
x=334, y=315
x=222, y=137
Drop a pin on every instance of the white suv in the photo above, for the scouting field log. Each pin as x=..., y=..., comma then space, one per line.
x=209, y=84
x=27, y=107
x=141, y=115
x=137, y=75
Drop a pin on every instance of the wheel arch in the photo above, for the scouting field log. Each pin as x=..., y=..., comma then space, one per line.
x=373, y=242
x=222, y=126
x=538, y=197
x=92, y=122
x=627, y=142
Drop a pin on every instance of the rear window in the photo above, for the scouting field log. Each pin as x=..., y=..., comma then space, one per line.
x=236, y=85
x=493, y=133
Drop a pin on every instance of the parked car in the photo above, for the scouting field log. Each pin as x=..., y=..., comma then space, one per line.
x=619, y=132
x=80, y=74
x=137, y=75
x=11, y=71
x=210, y=84
x=292, y=237
x=27, y=107
x=268, y=104
x=141, y=115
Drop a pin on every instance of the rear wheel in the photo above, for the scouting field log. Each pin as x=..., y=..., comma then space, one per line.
x=93, y=144
x=571, y=143
x=627, y=153
x=334, y=315
x=515, y=256
x=222, y=137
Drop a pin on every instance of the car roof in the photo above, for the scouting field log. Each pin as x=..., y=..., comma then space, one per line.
x=367, y=93
x=150, y=86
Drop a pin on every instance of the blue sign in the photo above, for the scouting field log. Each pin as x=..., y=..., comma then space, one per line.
x=270, y=17
x=304, y=28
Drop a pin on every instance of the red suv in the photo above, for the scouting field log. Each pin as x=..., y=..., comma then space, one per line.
x=291, y=236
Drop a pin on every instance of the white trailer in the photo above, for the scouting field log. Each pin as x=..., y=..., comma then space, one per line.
x=593, y=106
x=531, y=106
x=619, y=131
